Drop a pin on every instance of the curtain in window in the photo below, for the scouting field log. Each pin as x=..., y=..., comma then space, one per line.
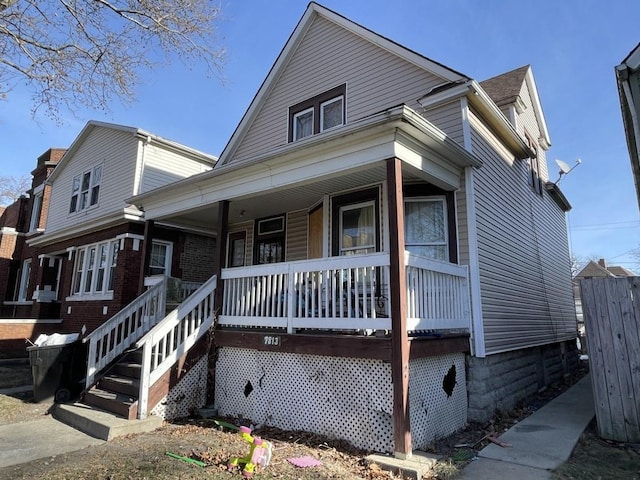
x=425, y=229
x=304, y=124
x=332, y=114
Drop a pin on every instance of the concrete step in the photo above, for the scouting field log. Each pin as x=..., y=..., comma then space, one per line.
x=100, y=424
x=119, y=384
x=127, y=369
x=124, y=405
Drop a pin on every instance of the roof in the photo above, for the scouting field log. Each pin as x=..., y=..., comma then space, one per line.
x=312, y=12
x=143, y=134
x=595, y=269
x=504, y=89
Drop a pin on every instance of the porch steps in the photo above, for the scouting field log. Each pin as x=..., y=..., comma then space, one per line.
x=117, y=391
x=101, y=424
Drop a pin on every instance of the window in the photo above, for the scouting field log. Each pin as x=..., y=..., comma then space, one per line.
x=355, y=222
x=237, y=245
x=357, y=229
x=270, y=238
x=36, y=211
x=85, y=189
x=94, y=268
x=160, y=260
x=25, y=274
x=425, y=227
x=534, y=167
x=317, y=114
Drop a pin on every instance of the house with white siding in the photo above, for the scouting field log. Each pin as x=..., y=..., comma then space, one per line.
x=86, y=258
x=391, y=258
x=628, y=80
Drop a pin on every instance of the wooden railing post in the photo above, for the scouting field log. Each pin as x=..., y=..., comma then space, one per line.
x=143, y=397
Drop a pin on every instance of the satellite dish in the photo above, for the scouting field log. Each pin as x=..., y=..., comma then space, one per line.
x=564, y=167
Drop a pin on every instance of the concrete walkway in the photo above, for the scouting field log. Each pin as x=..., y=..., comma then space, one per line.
x=29, y=441
x=541, y=442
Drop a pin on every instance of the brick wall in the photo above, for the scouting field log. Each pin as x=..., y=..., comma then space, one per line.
x=197, y=258
x=13, y=335
x=498, y=382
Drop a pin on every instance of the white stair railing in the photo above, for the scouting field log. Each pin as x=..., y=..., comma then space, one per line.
x=172, y=337
x=115, y=336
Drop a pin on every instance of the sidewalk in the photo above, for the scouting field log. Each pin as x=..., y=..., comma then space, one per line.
x=541, y=442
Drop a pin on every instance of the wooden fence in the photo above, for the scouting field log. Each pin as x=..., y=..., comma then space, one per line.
x=611, y=308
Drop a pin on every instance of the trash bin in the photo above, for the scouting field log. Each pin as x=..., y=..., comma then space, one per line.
x=58, y=371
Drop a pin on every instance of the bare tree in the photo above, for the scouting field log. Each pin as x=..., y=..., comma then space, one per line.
x=11, y=188
x=75, y=53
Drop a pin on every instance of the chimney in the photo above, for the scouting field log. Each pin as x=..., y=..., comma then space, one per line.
x=602, y=263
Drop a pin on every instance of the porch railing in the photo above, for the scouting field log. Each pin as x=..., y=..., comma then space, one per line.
x=122, y=330
x=345, y=294
x=172, y=337
x=437, y=295
x=335, y=293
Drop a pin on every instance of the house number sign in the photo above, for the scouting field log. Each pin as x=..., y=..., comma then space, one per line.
x=271, y=340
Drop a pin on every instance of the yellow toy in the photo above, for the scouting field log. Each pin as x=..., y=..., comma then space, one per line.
x=259, y=454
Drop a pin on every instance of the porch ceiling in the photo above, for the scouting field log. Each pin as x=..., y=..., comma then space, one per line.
x=277, y=201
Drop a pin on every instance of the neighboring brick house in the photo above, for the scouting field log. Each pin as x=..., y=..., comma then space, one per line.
x=83, y=251
x=21, y=314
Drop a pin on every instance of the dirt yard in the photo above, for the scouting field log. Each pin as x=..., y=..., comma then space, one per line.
x=144, y=456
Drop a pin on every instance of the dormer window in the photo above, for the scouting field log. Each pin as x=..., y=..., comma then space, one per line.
x=320, y=113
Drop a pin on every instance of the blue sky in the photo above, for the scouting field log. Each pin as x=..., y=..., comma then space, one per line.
x=572, y=45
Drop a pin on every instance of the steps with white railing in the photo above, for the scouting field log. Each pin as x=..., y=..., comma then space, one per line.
x=117, y=391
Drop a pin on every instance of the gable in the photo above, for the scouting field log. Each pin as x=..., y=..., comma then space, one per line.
x=324, y=52
x=116, y=150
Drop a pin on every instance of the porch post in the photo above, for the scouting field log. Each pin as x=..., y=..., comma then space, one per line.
x=222, y=232
x=146, y=253
x=398, y=296
x=221, y=248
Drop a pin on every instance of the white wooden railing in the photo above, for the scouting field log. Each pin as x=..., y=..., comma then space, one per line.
x=172, y=337
x=337, y=293
x=437, y=295
x=345, y=293
x=112, y=338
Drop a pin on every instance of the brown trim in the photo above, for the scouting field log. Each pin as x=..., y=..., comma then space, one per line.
x=427, y=190
x=348, y=346
x=398, y=297
x=315, y=104
x=149, y=227
x=422, y=347
x=349, y=199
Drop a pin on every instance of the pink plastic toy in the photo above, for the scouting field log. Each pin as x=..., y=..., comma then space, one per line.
x=259, y=454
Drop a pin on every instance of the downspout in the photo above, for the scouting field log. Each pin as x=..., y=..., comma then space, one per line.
x=477, y=323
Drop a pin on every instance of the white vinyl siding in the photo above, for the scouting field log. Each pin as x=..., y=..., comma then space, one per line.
x=528, y=121
x=448, y=118
x=163, y=166
x=327, y=56
x=522, y=246
x=117, y=151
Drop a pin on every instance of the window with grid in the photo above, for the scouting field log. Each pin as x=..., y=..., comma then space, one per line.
x=85, y=189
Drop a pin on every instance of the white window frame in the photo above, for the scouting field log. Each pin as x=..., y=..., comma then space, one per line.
x=167, y=258
x=296, y=133
x=86, y=194
x=356, y=206
x=25, y=275
x=339, y=98
x=36, y=208
x=445, y=242
x=89, y=280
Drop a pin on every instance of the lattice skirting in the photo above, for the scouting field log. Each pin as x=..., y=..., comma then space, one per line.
x=346, y=398
x=189, y=394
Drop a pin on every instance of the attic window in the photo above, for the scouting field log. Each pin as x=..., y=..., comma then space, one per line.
x=320, y=113
x=85, y=189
